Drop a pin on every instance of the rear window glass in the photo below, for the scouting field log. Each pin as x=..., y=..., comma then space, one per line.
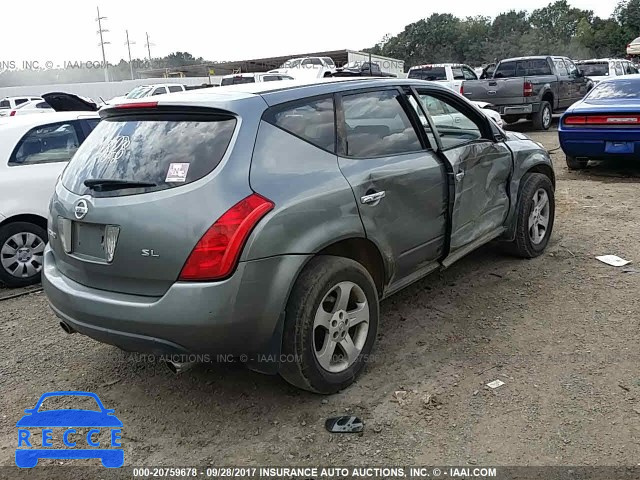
x=310, y=120
x=595, y=69
x=5, y=104
x=428, y=73
x=164, y=151
x=522, y=68
x=238, y=80
x=617, y=89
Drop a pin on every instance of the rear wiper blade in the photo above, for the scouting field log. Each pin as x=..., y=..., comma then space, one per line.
x=103, y=184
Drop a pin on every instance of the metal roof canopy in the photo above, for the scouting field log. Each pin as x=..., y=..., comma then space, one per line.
x=340, y=57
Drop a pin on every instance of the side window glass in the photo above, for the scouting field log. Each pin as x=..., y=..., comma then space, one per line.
x=377, y=125
x=423, y=120
x=469, y=74
x=573, y=70
x=159, y=91
x=312, y=120
x=57, y=142
x=20, y=101
x=454, y=126
x=561, y=67
x=457, y=73
x=174, y=89
x=619, y=69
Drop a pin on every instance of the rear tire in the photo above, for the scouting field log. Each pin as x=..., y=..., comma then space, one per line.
x=21, y=253
x=333, y=303
x=574, y=163
x=542, y=118
x=536, y=207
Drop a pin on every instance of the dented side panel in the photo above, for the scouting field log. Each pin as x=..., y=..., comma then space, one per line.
x=409, y=223
x=482, y=172
x=527, y=155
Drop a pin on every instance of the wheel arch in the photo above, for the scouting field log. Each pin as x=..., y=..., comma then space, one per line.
x=26, y=217
x=363, y=251
x=533, y=164
x=548, y=97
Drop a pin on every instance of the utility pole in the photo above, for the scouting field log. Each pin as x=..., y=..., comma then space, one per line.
x=129, y=49
x=148, y=45
x=101, y=31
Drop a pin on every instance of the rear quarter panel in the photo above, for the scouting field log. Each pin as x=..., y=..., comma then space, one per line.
x=315, y=205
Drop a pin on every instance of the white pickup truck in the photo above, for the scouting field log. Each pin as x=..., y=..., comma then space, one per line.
x=453, y=76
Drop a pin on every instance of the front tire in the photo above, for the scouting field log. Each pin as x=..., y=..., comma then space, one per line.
x=535, y=216
x=330, y=325
x=542, y=119
x=574, y=163
x=21, y=253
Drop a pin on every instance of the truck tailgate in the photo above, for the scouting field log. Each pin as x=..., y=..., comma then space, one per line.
x=499, y=91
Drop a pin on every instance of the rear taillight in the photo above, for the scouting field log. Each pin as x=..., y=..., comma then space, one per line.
x=216, y=254
x=575, y=120
x=138, y=105
x=527, y=89
x=13, y=113
x=462, y=89
x=602, y=120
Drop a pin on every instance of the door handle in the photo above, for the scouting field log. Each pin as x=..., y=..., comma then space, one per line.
x=460, y=175
x=373, y=198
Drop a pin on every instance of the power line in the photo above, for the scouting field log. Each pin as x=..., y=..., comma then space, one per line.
x=149, y=45
x=129, y=43
x=101, y=32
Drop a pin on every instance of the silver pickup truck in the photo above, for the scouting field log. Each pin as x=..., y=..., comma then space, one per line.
x=530, y=87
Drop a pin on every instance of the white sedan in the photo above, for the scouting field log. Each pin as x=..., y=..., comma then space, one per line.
x=34, y=149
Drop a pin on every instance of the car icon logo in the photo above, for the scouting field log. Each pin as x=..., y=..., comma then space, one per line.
x=39, y=429
x=81, y=209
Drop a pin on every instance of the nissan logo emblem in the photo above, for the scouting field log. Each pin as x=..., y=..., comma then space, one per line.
x=81, y=209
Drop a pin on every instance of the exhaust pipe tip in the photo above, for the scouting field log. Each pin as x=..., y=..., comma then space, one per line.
x=179, y=368
x=67, y=328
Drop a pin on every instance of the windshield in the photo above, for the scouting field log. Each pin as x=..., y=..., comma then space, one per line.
x=621, y=89
x=595, y=69
x=139, y=92
x=522, y=68
x=428, y=73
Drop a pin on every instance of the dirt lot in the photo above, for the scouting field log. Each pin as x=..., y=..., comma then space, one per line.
x=561, y=331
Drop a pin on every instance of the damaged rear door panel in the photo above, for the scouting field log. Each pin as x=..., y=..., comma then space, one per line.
x=399, y=184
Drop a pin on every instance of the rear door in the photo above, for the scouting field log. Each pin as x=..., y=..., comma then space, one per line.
x=481, y=168
x=579, y=82
x=457, y=77
x=565, y=84
x=398, y=181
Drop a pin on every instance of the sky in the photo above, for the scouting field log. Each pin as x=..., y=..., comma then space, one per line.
x=66, y=30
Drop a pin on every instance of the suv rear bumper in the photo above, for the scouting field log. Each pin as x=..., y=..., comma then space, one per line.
x=235, y=316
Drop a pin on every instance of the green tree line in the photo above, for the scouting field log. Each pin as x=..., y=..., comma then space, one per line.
x=557, y=29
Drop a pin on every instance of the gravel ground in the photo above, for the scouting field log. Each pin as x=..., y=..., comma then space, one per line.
x=561, y=331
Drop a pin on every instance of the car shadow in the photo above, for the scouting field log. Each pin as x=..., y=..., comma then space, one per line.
x=610, y=171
